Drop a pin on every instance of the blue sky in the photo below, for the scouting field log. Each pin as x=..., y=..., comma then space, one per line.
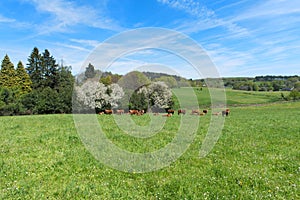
x=242, y=38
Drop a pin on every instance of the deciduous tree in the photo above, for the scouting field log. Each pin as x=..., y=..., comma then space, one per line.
x=169, y=80
x=95, y=95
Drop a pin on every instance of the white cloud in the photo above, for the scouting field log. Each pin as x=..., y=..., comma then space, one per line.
x=228, y=61
x=251, y=39
x=269, y=9
x=203, y=18
x=66, y=14
x=91, y=43
x=190, y=6
x=6, y=20
x=232, y=5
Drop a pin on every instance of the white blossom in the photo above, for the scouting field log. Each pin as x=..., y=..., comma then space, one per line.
x=94, y=94
x=116, y=94
x=158, y=93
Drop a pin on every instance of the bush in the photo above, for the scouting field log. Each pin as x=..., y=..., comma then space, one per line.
x=9, y=103
x=294, y=95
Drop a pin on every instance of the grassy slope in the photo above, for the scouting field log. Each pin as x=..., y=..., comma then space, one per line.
x=234, y=97
x=257, y=157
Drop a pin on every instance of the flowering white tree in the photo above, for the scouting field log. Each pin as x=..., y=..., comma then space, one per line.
x=93, y=94
x=115, y=94
x=158, y=94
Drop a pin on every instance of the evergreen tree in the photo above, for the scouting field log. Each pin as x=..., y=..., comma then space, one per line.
x=49, y=70
x=48, y=102
x=90, y=71
x=34, y=68
x=42, y=69
x=65, y=88
x=139, y=101
x=23, y=79
x=9, y=101
x=7, y=73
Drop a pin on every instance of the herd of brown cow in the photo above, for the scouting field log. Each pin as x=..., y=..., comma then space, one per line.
x=120, y=112
x=198, y=112
x=169, y=113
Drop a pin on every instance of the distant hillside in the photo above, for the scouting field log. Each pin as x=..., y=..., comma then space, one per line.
x=153, y=75
x=257, y=83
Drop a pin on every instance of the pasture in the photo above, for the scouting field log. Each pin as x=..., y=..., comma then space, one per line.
x=256, y=157
x=233, y=97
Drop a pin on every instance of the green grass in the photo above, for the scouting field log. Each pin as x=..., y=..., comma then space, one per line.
x=233, y=97
x=256, y=157
x=252, y=97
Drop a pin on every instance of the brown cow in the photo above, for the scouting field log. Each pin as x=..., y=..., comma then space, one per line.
x=140, y=112
x=180, y=111
x=120, y=112
x=136, y=112
x=133, y=112
x=167, y=115
x=195, y=112
x=109, y=112
x=217, y=113
x=170, y=111
x=225, y=112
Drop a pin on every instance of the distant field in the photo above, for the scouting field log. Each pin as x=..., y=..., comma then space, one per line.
x=233, y=97
x=257, y=157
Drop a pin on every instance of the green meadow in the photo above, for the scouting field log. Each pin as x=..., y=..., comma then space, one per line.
x=256, y=157
x=233, y=97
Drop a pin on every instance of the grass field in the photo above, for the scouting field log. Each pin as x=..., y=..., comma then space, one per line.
x=256, y=157
x=235, y=97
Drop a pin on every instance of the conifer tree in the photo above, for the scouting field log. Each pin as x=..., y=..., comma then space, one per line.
x=7, y=73
x=90, y=71
x=23, y=80
x=49, y=70
x=34, y=68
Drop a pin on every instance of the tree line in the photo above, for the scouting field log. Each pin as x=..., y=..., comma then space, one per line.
x=131, y=91
x=258, y=83
x=42, y=87
x=45, y=87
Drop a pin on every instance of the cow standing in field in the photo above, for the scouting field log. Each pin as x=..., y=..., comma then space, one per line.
x=120, y=112
x=140, y=112
x=180, y=111
x=225, y=112
x=108, y=112
x=136, y=112
x=170, y=111
x=195, y=112
x=132, y=112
